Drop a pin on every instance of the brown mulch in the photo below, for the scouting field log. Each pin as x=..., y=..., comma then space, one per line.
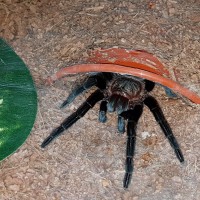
x=88, y=161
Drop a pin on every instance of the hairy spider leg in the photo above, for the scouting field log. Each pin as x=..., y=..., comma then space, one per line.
x=80, y=112
x=99, y=80
x=121, y=120
x=170, y=93
x=103, y=111
x=149, y=85
x=154, y=107
x=133, y=117
x=122, y=105
x=117, y=103
x=111, y=102
x=121, y=124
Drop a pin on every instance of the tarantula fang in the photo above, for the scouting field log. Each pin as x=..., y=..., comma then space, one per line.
x=126, y=95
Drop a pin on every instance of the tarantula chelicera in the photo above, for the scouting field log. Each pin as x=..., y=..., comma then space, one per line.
x=126, y=95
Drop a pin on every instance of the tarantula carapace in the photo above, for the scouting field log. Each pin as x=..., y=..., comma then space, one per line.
x=126, y=95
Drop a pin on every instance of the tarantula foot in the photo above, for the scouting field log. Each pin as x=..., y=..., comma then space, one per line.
x=52, y=136
x=64, y=104
x=127, y=180
x=102, y=116
x=179, y=155
x=46, y=141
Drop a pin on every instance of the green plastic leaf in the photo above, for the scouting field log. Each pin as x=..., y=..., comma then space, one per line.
x=18, y=101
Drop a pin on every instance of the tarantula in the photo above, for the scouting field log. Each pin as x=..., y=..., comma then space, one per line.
x=126, y=95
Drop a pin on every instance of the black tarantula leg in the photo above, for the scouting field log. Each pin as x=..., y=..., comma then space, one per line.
x=149, y=85
x=98, y=80
x=122, y=105
x=78, y=90
x=81, y=111
x=133, y=117
x=160, y=118
x=102, y=112
x=121, y=124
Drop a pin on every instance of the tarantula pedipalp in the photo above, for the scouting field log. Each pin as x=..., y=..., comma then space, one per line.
x=126, y=95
